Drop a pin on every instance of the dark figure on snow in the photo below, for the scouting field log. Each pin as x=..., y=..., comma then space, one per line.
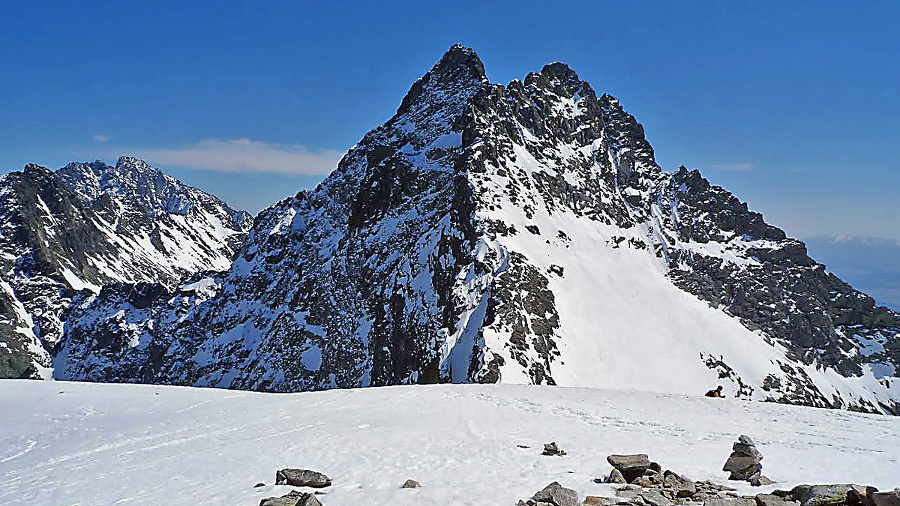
x=715, y=393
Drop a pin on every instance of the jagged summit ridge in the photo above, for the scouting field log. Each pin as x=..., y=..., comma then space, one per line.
x=136, y=180
x=520, y=233
x=90, y=225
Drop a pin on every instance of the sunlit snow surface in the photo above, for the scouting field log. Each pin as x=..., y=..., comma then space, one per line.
x=98, y=444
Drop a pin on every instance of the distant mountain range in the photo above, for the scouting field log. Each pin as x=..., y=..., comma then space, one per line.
x=485, y=233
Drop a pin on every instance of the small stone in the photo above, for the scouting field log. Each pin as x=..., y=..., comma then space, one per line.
x=772, y=500
x=593, y=500
x=628, y=492
x=411, y=484
x=654, y=498
x=302, y=478
x=759, y=480
x=680, y=486
x=557, y=495
x=260, y=484
x=615, y=476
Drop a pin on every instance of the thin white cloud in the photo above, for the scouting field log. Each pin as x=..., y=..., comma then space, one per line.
x=734, y=167
x=242, y=155
x=101, y=138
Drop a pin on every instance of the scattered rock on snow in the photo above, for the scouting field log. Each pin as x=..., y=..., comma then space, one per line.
x=260, y=484
x=302, y=478
x=553, y=449
x=411, y=484
x=553, y=494
x=759, y=480
x=294, y=498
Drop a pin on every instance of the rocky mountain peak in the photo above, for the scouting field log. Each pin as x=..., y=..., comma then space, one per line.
x=133, y=164
x=138, y=182
x=560, y=79
x=458, y=70
x=524, y=235
x=461, y=61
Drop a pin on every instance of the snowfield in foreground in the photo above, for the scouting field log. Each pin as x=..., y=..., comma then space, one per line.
x=91, y=444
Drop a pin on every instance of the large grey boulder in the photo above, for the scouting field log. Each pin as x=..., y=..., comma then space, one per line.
x=773, y=500
x=302, y=478
x=825, y=495
x=557, y=495
x=891, y=498
x=631, y=466
x=861, y=495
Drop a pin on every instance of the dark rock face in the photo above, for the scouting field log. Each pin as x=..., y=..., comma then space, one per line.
x=444, y=246
x=88, y=225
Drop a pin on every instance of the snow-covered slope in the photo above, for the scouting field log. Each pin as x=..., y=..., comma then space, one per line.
x=89, y=225
x=516, y=234
x=75, y=443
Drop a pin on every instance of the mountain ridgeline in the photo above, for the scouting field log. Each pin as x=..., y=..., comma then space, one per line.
x=88, y=226
x=488, y=233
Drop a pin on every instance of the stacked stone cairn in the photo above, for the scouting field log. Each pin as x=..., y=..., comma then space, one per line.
x=745, y=464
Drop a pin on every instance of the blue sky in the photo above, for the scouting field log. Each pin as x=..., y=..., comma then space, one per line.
x=793, y=106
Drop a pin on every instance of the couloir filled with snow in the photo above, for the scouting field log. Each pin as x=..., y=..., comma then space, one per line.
x=103, y=444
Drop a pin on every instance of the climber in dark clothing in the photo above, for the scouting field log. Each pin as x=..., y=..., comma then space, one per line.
x=715, y=393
